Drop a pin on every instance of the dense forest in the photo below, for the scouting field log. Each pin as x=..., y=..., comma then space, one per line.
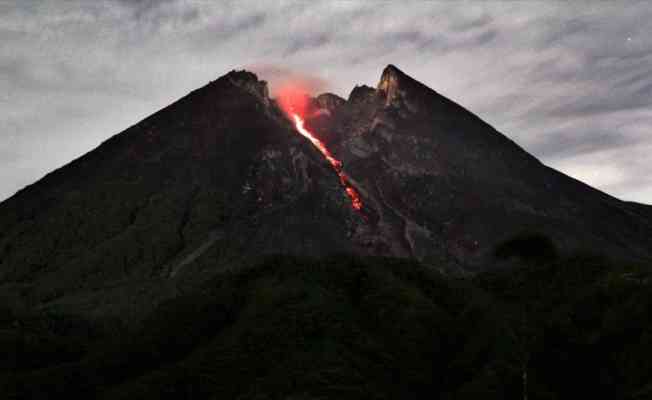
x=541, y=327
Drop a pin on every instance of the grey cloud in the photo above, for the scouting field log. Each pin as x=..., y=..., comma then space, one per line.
x=297, y=44
x=563, y=144
x=562, y=79
x=223, y=29
x=466, y=24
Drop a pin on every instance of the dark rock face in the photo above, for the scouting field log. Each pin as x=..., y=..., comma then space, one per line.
x=329, y=101
x=441, y=184
x=221, y=177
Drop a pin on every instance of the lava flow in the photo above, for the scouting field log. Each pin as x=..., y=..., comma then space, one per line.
x=356, y=202
x=294, y=101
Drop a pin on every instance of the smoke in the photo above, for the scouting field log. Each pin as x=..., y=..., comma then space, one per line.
x=292, y=90
x=280, y=78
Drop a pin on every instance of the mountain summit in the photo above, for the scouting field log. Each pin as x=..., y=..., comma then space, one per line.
x=222, y=177
x=443, y=184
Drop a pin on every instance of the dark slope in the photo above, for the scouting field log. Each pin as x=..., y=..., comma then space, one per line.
x=446, y=185
x=218, y=175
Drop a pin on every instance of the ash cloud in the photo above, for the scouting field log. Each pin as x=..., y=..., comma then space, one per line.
x=570, y=82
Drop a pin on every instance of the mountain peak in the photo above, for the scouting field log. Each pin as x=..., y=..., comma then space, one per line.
x=391, y=71
x=249, y=82
x=361, y=93
x=391, y=81
x=329, y=101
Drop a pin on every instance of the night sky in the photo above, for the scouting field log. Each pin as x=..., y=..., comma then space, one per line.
x=570, y=82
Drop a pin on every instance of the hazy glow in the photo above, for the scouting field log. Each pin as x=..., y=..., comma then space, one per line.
x=294, y=100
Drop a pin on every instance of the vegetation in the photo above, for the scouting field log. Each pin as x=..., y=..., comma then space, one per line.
x=345, y=327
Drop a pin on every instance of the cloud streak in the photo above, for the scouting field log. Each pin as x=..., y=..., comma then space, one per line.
x=569, y=82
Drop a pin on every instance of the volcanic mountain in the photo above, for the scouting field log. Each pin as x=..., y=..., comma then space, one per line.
x=227, y=176
x=222, y=176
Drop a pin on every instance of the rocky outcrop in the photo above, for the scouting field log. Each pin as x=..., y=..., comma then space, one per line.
x=362, y=94
x=249, y=82
x=389, y=84
x=329, y=101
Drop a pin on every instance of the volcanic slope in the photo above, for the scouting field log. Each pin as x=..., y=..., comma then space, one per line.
x=217, y=178
x=439, y=183
x=222, y=177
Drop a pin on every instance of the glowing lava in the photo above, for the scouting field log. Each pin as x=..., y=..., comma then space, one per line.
x=356, y=202
x=294, y=101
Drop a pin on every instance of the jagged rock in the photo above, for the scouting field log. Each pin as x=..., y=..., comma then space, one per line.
x=362, y=94
x=389, y=83
x=329, y=101
x=249, y=81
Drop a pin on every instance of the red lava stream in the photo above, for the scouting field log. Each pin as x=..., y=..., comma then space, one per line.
x=356, y=201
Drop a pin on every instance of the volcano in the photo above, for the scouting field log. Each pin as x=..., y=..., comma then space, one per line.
x=223, y=176
x=227, y=176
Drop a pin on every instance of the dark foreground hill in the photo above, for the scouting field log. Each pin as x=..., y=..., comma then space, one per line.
x=345, y=327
